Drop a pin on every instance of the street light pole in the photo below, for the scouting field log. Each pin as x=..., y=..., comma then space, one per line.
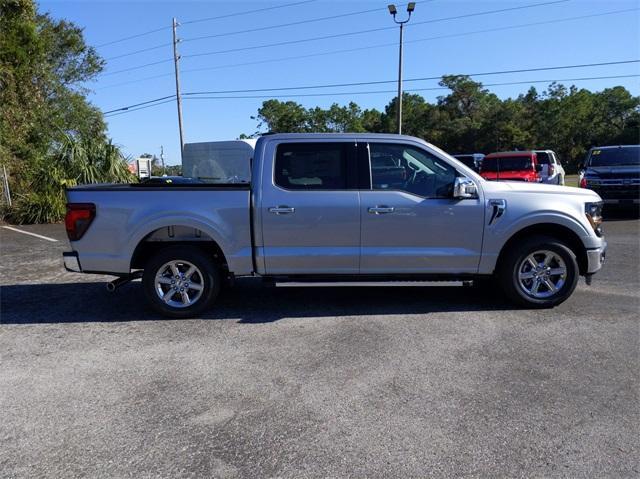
x=399, y=105
x=411, y=6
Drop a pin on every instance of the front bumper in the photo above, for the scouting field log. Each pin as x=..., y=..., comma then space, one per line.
x=596, y=258
x=71, y=262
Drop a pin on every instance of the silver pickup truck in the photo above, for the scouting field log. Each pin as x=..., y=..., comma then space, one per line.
x=336, y=207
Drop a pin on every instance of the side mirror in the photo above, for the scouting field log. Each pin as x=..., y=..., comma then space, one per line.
x=464, y=188
x=538, y=168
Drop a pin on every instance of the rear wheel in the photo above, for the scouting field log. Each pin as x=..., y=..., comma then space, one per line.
x=180, y=281
x=540, y=272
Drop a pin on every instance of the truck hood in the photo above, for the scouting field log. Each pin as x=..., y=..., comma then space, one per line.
x=517, y=187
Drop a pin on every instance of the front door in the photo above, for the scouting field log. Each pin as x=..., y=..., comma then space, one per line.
x=311, y=210
x=410, y=222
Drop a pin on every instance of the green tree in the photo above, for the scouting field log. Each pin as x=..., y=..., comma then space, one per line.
x=291, y=117
x=44, y=64
x=470, y=119
x=277, y=116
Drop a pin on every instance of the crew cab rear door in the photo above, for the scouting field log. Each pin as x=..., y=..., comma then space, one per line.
x=310, y=209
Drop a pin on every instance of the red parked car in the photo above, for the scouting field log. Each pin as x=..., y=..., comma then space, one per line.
x=511, y=166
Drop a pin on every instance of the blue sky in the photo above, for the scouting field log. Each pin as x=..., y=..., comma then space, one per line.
x=594, y=39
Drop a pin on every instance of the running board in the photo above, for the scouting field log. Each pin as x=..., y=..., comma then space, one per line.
x=367, y=284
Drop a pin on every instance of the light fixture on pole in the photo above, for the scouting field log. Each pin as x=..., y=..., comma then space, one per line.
x=411, y=6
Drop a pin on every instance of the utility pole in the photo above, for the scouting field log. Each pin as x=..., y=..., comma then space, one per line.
x=176, y=58
x=411, y=6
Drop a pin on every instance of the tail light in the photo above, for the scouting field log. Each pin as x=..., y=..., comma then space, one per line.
x=552, y=169
x=78, y=219
x=583, y=182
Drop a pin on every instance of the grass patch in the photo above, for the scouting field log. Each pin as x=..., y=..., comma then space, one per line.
x=571, y=180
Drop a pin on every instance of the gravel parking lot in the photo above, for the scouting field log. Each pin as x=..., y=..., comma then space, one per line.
x=316, y=382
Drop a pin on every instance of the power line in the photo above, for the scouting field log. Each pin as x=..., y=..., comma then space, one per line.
x=140, y=108
x=153, y=77
x=131, y=37
x=335, y=85
x=413, y=89
x=138, y=67
x=139, y=104
x=368, y=47
x=167, y=99
x=139, y=51
x=360, y=32
x=394, y=44
x=258, y=10
x=290, y=24
x=563, y=67
x=237, y=14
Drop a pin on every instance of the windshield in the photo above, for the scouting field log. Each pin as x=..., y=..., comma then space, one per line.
x=623, y=156
x=507, y=163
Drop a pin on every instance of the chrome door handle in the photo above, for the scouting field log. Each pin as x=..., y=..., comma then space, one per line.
x=281, y=210
x=381, y=210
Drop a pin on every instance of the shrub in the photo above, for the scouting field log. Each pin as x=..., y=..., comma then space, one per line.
x=76, y=162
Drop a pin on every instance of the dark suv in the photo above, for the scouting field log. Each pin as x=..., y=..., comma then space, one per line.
x=614, y=173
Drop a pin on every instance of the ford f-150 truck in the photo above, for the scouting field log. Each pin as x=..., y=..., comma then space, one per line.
x=334, y=207
x=614, y=173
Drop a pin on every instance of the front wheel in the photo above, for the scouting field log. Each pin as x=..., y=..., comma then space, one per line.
x=180, y=281
x=540, y=272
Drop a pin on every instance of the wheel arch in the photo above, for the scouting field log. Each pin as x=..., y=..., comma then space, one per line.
x=554, y=230
x=176, y=235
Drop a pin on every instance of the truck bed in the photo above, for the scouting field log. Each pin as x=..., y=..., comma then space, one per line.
x=129, y=214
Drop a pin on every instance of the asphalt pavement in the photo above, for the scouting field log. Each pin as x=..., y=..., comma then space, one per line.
x=315, y=382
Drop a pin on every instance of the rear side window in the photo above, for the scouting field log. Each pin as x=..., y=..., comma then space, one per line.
x=507, y=163
x=313, y=166
x=543, y=158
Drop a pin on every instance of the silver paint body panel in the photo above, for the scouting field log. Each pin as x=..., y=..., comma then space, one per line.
x=332, y=232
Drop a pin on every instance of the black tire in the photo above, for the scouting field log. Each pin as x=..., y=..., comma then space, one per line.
x=513, y=260
x=207, y=277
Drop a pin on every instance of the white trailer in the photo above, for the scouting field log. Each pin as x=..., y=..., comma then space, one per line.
x=219, y=161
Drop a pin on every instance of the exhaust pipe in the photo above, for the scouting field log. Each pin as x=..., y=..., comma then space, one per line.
x=116, y=283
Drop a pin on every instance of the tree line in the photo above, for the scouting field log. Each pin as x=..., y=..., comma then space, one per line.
x=471, y=119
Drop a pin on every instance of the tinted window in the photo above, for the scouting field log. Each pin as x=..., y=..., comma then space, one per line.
x=312, y=166
x=629, y=155
x=405, y=168
x=507, y=163
x=543, y=157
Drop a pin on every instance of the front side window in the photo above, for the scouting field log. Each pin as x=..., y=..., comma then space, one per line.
x=311, y=166
x=406, y=168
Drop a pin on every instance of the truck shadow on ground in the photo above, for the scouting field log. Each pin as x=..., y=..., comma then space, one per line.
x=247, y=302
x=612, y=213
